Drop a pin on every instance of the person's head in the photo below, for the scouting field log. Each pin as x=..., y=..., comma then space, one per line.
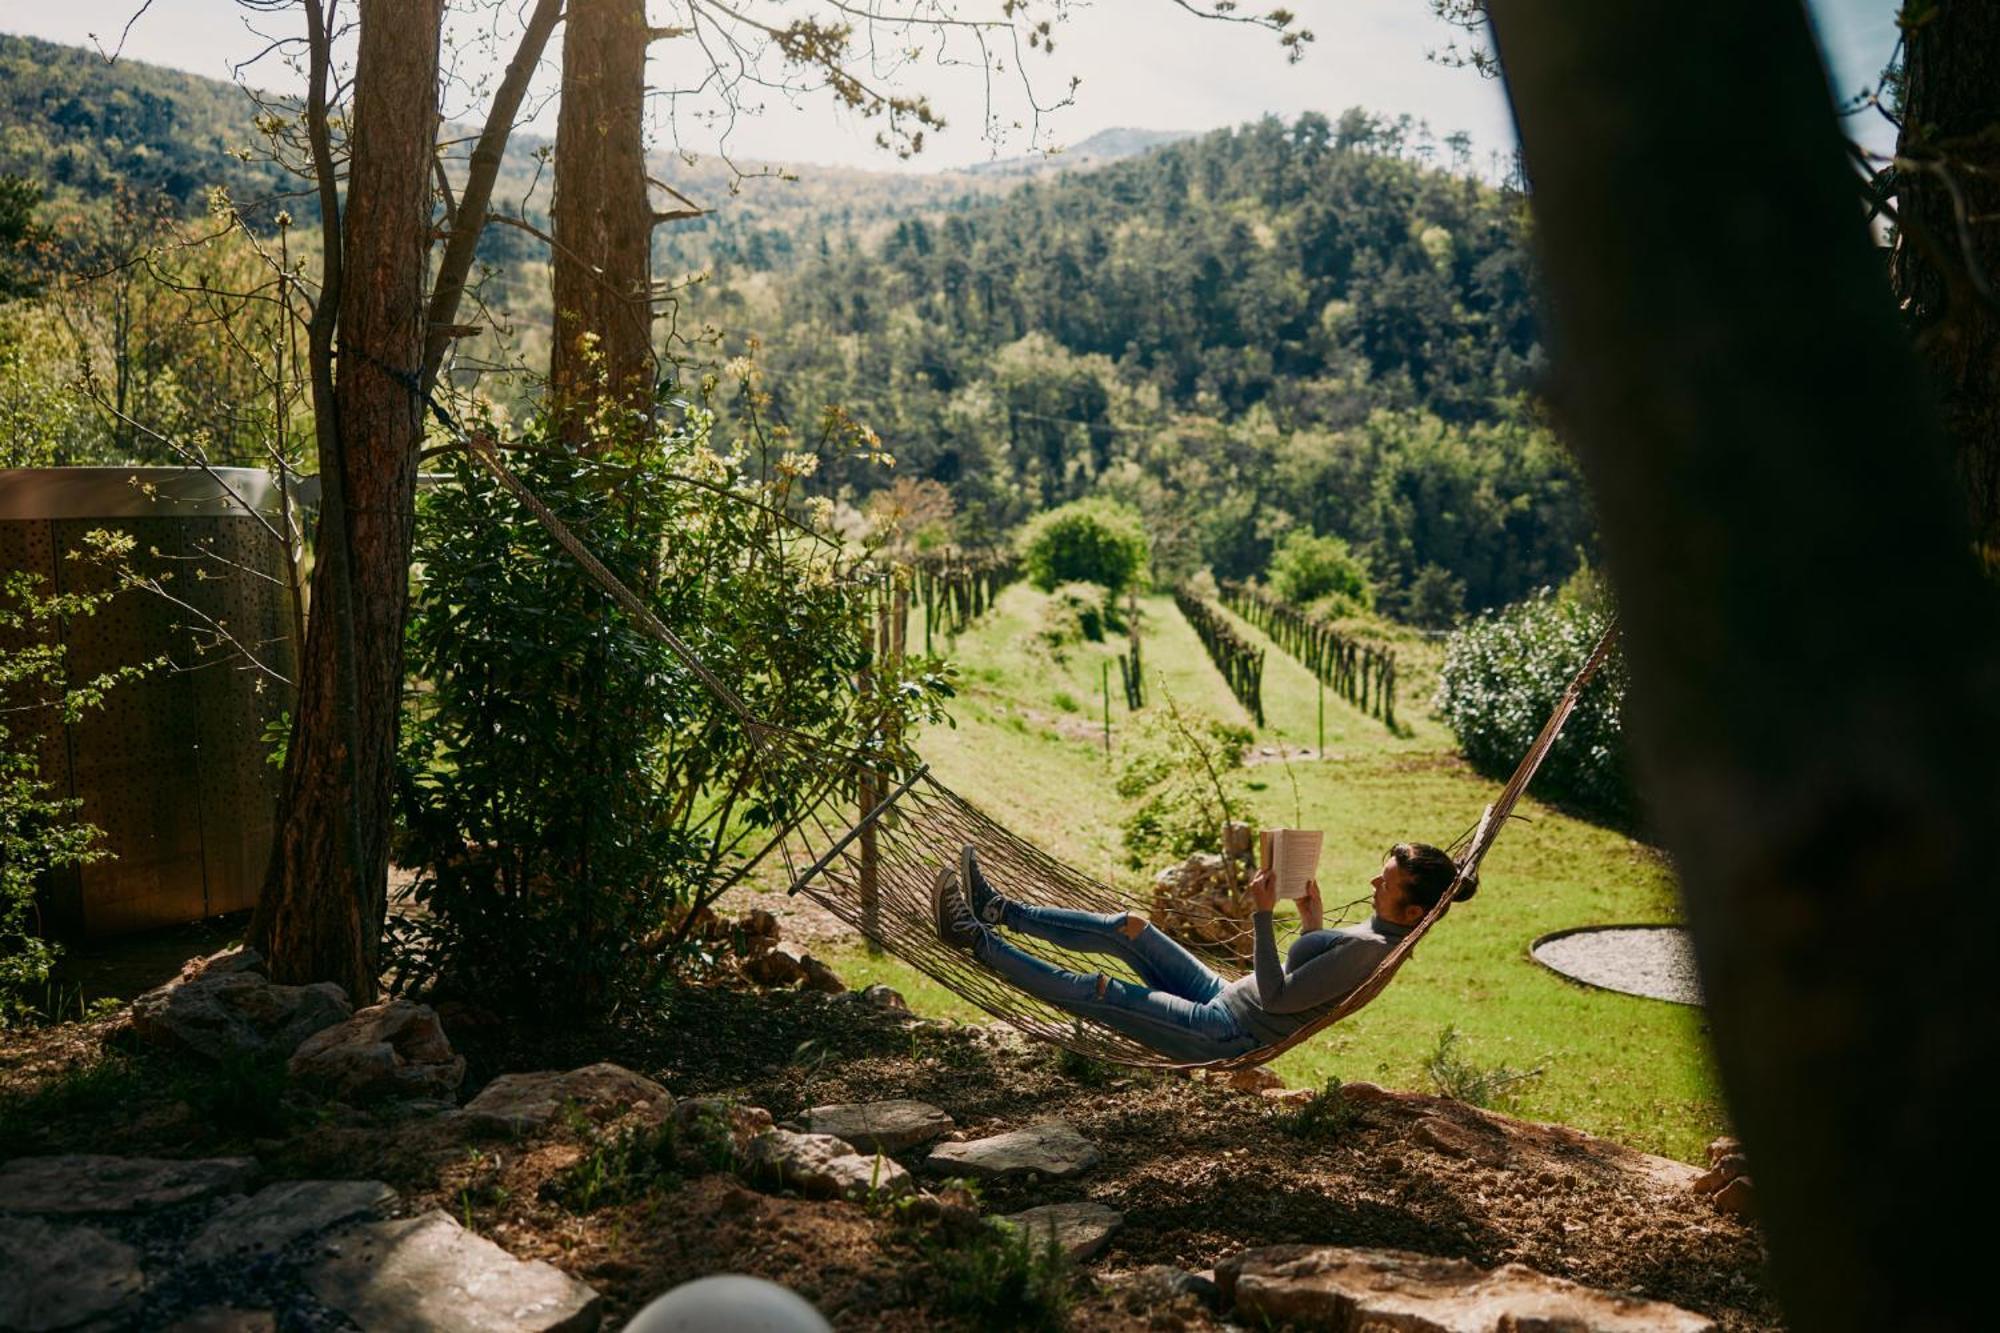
x=1415, y=875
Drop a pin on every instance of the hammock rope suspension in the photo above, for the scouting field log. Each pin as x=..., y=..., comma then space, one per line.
x=920, y=824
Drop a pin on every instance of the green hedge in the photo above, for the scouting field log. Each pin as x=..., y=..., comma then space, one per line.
x=1086, y=541
x=1503, y=673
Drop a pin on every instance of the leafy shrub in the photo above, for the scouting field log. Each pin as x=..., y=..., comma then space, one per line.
x=39, y=830
x=1306, y=569
x=1503, y=673
x=1324, y=1117
x=1456, y=1077
x=568, y=782
x=1184, y=773
x=1086, y=541
x=1004, y=1277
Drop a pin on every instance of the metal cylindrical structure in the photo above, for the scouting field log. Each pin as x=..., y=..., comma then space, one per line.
x=174, y=767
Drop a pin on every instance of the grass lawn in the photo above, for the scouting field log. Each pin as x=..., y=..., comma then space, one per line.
x=1028, y=748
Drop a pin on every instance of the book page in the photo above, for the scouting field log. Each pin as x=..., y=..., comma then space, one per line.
x=1295, y=859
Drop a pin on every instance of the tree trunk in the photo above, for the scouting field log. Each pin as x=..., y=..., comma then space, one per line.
x=320, y=917
x=1948, y=243
x=1814, y=685
x=603, y=222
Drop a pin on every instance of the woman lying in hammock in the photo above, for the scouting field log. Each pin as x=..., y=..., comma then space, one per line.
x=1182, y=1009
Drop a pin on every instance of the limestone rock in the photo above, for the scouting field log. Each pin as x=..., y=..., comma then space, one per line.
x=392, y=1049
x=1203, y=902
x=889, y=1126
x=1081, y=1229
x=83, y=1183
x=520, y=1103
x=291, y=1210
x=821, y=978
x=224, y=1007
x=429, y=1275
x=1721, y=1173
x=1738, y=1198
x=1725, y=1146
x=1348, y=1290
x=823, y=1165
x=885, y=997
x=61, y=1276
x=1455, y=1139
x=1052, y=1149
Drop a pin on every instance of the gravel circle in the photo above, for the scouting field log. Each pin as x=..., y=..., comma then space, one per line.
x=1654, y=961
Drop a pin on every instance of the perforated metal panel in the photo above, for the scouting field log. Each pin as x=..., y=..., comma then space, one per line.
x=173, y=767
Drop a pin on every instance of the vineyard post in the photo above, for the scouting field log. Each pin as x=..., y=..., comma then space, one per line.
x=1322, y=717
x=1104, y=685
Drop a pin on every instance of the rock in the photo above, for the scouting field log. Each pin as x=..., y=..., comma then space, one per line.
x=1720, y=1148
x=1162, y=1284
x=1201, y=902
x=1738, y=1198
x=1081, y=1229
x=392, y=1049
x=1288, y=1096
x=718, y=1118
x=520, y=1103
x=93, y=1184
x=955, y=1211
x=1454, y=1139
x=780, y=965
x=1053, y=1149
x=61, y=1276
x=1337, y=1288
x=223, y=1007
x=1723, y=1171
x=277, y=1215
x=430, y=1274
x=1257, y=1079
x=821, y=978
x=885, y=997
x=823, y=1165
x=889, y=1127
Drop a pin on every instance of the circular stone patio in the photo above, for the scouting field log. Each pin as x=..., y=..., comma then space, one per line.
x=1653, y=961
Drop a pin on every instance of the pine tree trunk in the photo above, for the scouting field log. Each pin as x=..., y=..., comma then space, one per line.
x=320, y=917
x=1948, y=201
x=1815, y=663
x=603, y=222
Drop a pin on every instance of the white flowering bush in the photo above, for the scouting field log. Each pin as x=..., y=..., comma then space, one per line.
x=1503, y=673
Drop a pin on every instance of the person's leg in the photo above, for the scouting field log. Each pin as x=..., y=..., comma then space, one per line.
x=1161, y=963
x=1176, y=1027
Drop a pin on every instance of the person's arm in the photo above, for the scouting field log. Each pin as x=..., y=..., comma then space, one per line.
x=1322, y=979
x=1266, y=966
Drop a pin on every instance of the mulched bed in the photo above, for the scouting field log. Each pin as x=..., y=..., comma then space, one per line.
x=1199, y=1171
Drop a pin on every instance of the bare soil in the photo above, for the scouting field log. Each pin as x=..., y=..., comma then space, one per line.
x=1200, y=1171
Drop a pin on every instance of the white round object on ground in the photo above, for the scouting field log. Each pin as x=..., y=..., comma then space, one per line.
x=1654, y=961
x=730, y=1301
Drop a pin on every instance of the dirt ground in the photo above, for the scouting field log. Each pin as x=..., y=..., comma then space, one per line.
x=1200, y=1171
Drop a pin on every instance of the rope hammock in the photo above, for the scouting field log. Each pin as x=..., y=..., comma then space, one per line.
x=876, y=875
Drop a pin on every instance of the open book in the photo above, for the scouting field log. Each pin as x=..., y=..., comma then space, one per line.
x=1292, y=857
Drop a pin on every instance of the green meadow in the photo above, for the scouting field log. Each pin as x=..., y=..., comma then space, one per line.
x=1028, y=747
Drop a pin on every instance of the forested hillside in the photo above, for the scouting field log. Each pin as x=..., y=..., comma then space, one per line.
x=1281, y=325
x=1307, y=325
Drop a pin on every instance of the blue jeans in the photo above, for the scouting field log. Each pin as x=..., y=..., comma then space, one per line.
x=1177, y=1011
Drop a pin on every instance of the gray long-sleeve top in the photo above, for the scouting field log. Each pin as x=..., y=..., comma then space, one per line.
x=1321, y=969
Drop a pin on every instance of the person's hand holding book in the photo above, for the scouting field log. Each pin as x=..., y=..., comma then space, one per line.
x=1312, y=912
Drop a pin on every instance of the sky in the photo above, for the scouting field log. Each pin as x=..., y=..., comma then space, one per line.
x=1142, y=63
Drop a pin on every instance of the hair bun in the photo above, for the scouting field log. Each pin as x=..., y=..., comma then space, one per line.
x=1466, y=888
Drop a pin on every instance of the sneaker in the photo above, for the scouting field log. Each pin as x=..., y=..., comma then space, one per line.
x=956, y=925
x=987, y=904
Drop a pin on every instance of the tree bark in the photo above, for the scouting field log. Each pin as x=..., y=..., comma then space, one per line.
x=321, y=913
x=602, y=219
x=1948, y=240
x=1814, y=687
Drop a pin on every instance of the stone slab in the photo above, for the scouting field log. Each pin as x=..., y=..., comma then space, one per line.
x=1081, y=1229
x=225, y=1008
x=430, y=1275
x=89, y=1183
x=393, y=1049
x=823, y=1165
x=280, y=1214
x=521, y=1103
x=54, y=1276
x=1347, y=1290
x=1053, y=1149
x=888, y=1126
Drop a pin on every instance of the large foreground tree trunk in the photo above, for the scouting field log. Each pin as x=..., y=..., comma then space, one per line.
x=1948, y=247
x=603, y=221
x=1815, y=664
x=320, y=917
